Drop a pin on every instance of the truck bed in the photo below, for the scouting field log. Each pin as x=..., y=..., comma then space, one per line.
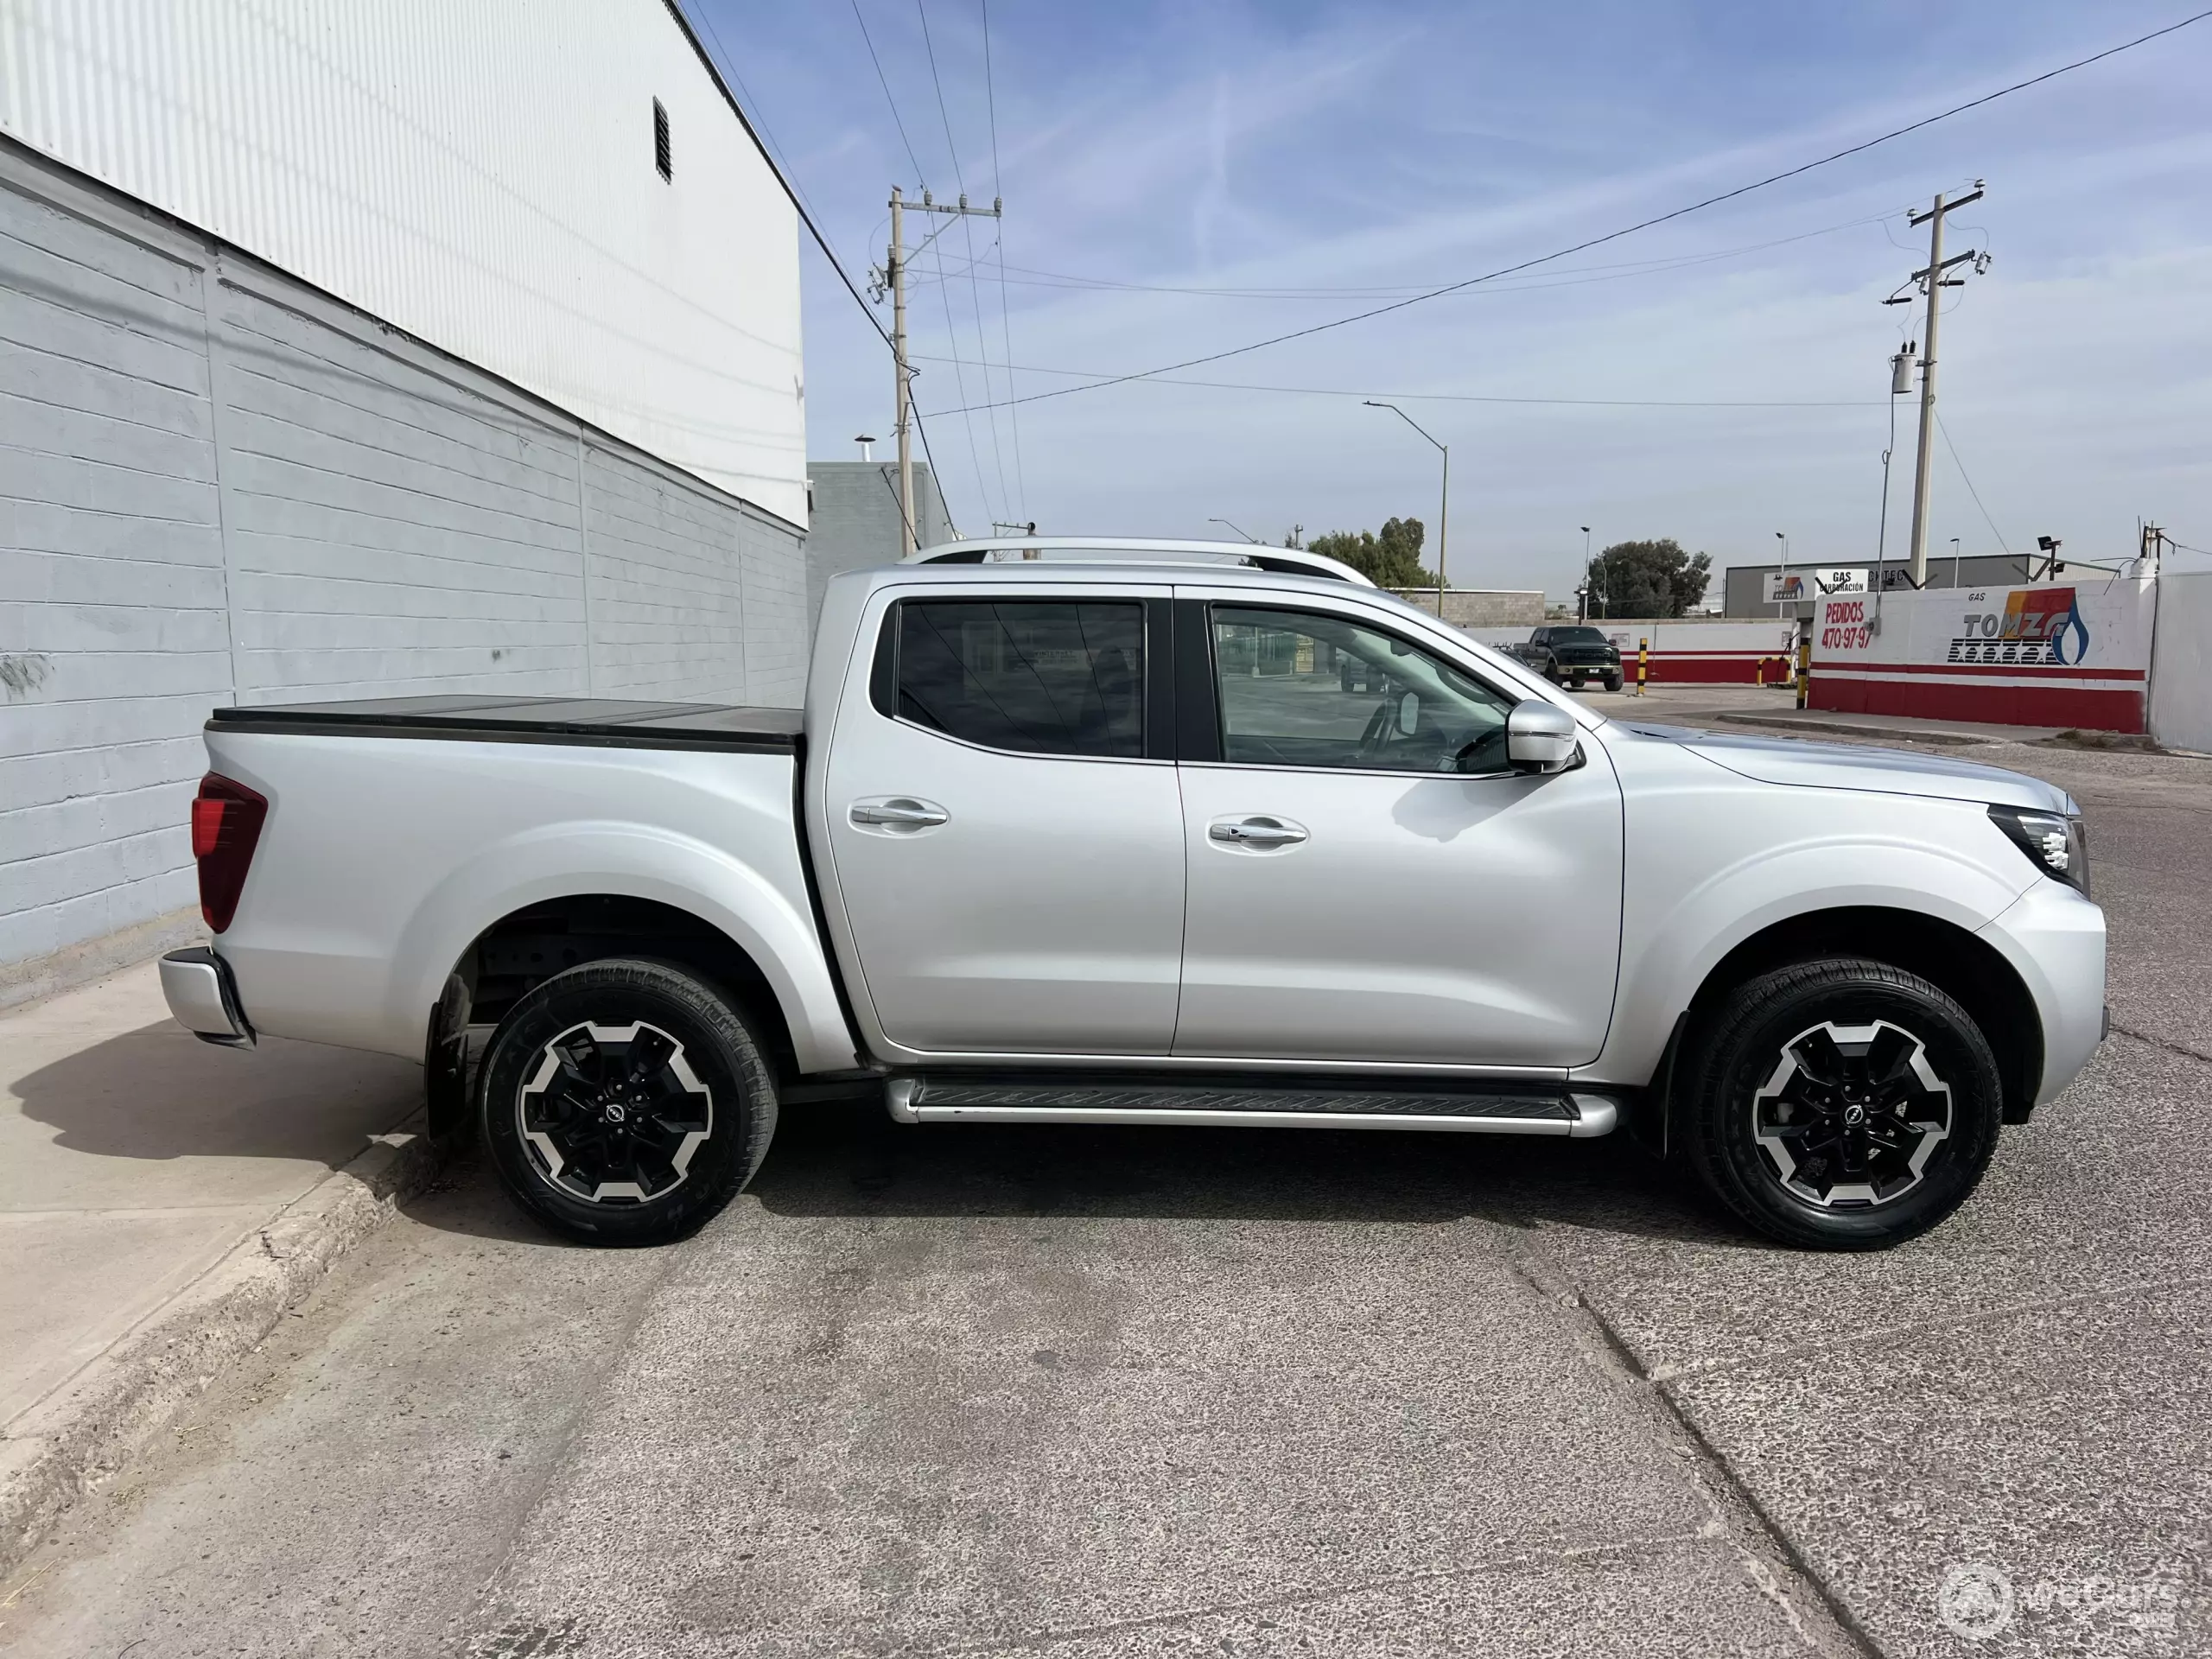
x=598, y=722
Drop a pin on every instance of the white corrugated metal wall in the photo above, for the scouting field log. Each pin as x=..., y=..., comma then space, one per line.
x=479, y=173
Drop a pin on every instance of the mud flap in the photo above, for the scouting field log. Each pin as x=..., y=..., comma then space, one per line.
x=445, y=1062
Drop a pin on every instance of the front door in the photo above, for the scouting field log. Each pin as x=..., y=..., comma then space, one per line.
x=1369, y=881
x=1005, y=831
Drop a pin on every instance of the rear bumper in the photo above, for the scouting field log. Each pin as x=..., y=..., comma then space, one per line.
x=203, y=998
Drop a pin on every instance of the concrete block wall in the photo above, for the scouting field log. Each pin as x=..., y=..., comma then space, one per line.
x=1481, y=607
x=852, y=522
x=219, y=485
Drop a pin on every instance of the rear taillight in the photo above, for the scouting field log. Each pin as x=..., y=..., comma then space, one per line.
x=226, y=824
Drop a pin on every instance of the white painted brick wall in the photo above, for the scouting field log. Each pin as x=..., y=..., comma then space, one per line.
x=217, y=486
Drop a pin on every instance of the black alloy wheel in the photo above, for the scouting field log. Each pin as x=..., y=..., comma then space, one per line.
x=624, y=1101
x=1841, y=1104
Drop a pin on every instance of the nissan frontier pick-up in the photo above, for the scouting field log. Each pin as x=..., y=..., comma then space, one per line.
x=1150, y=833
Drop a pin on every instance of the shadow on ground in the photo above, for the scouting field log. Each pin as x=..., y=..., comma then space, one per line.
x=852, y=1161
x=160, y=1093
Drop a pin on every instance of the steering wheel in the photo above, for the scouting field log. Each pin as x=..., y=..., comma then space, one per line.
x=1486, y=754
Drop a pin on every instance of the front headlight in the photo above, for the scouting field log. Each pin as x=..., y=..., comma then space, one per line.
x=2058, y=845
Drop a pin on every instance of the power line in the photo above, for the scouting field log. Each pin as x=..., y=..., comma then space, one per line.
x=920, y=177
x=1576, y=275
x=913, y=409
x=1626, y=230
x=998, y=247
x=1970, y=490
x=974, y=288
x=1465, y=397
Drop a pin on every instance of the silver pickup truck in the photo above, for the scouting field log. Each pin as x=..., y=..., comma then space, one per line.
x=1154, y=834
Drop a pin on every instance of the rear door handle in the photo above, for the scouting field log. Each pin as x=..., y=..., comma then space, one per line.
x=1255, y=832
x=900, y=812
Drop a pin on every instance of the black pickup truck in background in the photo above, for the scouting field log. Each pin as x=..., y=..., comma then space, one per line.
x=1570, y=654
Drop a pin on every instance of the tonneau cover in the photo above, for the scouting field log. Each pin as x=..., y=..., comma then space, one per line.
x=598, y=722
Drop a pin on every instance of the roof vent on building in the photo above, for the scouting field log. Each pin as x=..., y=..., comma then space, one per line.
x=661, y=160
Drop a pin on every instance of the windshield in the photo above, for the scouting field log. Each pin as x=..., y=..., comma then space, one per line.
x=1577, y=637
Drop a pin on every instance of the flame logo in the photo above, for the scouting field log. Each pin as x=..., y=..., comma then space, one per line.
x=2048, y=613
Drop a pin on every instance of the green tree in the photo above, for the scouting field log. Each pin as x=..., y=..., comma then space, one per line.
x=1648, y=579
x=1391, y=559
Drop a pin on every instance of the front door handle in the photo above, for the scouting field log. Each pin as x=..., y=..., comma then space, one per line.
x=899, y=812
x=1255, y=832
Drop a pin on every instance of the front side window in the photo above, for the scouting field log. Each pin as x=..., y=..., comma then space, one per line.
x=1042, y=677
x=1299, y=689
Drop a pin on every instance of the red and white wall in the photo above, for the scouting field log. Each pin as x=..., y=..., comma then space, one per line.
x=2057, y=653
x=1687, y=653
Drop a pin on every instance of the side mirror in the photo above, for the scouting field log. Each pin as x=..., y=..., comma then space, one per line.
x=1409, y=714
x=1540, y=736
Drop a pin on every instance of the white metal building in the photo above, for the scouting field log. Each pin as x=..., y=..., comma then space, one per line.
x=359, y=347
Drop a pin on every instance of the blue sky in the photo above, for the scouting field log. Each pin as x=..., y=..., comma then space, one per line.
x=1350, y=154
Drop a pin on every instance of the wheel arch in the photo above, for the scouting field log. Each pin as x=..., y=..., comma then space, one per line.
x=1965, y=967
x=530, y=944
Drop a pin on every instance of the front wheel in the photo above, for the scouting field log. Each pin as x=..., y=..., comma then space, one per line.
x=1842, y=1104
x=1612, y=682
x=625, y=1103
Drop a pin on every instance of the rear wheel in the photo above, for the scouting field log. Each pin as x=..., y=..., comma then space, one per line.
x=1843, y=1104
x=625, y=1103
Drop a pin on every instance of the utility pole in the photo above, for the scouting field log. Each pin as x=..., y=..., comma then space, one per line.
x=892, y=277
x=1933, y=282
x=895, y=277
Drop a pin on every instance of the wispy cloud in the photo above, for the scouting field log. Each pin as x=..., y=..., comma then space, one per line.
x=1268, y=147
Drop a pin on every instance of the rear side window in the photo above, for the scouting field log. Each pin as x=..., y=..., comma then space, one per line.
x=1041, y=677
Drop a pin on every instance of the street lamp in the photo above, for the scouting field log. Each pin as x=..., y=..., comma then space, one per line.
x=1253, y=539
x=1954, y=561
x=1588, y=576
x=1444, y=508
x=1783, y=536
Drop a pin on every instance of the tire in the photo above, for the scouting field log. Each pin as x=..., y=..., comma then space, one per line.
x=1890, y=1150
x=1614, y=682
x=678, y=1104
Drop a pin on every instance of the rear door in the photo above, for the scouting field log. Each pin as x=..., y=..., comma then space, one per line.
x=1353, y=895
x=1004, y=826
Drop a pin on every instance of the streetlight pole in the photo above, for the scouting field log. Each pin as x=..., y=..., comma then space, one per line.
x=1443, y=508
x=1587, y=575
x=1783, y=536
x=1247, y=535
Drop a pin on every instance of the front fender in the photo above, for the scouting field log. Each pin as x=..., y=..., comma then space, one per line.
x=1673, y=938
x=632, y=860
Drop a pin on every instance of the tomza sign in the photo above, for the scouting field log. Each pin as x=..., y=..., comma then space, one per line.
x=2037, y=626
x=2072, y=656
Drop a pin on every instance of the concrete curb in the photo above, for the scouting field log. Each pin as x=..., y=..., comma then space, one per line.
x=83, y=1433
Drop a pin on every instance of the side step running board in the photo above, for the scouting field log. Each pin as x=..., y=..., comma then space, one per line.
x=1523, y=1109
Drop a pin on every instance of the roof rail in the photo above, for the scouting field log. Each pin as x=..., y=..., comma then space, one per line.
x=1289, y=561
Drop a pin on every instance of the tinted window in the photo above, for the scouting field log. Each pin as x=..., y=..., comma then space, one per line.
x=1303, y=689
x=1576, y=637
x=1046, y=676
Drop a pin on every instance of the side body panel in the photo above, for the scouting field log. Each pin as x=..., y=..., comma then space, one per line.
x=383, y=859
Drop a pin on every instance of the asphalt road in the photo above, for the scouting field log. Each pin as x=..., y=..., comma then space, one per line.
x=1086, y=1392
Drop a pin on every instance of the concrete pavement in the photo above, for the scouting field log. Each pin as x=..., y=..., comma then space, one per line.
x=134, y=1161
x=1091, y=1392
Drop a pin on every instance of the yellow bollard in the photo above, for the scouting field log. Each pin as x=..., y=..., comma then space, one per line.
x=1643, y=663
